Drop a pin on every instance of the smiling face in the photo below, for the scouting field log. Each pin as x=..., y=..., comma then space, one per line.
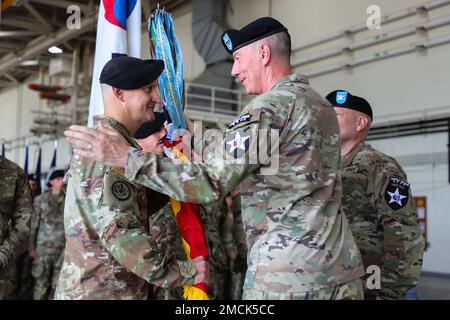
x=141, y=103
x=154, y=142
x=247, y=67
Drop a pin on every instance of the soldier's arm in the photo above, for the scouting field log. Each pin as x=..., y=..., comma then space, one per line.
x=124, y=236
x=403, y=241
x=16, y=243
x=190, y=182
x=34, y=225
x=210, y=180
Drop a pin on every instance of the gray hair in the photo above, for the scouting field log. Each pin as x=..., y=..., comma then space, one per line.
x=279, y=43
x=106, y=90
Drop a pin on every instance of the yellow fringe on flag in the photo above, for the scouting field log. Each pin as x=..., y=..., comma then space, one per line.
x=193, y=293
x=189, y=291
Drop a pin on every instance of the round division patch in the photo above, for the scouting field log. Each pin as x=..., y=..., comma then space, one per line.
x=121, y=190
x=397, y=193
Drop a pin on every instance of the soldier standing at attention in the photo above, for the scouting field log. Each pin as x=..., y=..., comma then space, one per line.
x=109, y=253
x=300, y=244
x=377, y=201
x=50, y=240
x=15, y=214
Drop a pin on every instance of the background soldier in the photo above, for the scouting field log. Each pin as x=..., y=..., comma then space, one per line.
x=50, y=239
x=300, y=245
x=24, y=283
x=15, y=213
x=378, y=203
x=151, y=137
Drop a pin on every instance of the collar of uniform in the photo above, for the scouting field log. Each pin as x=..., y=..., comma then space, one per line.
x=111, y=123
x=292, y=78
x=348, y=158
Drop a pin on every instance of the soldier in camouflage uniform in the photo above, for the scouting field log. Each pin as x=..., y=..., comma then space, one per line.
x=49, y=213
x=151, y=137
x=300, y=245
x=15, y=213
x=109, y=253
x=24, y=283
x=377, y=202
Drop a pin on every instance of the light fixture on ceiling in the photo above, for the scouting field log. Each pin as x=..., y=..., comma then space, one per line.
x=29, y=63
x=55, y=50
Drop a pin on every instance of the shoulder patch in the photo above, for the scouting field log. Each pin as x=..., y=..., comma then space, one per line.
x=237, y=143
x=397, y=193
x=244, y=118
x=121, y=190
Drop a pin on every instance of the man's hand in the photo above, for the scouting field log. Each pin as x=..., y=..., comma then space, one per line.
x=202, y=275
x=102, y=145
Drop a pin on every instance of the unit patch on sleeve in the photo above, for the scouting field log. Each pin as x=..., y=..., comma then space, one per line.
x=237, y=143
x=396, y=193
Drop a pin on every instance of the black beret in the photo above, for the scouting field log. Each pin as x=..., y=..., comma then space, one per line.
x=344, y=99
x=129, y=73
x=57, y=174
x=263, y=27
x=31, y=177
x=150, y=128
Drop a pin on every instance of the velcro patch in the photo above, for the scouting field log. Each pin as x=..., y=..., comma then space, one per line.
x=397, y=193
x=244, y=118
x=121, y=190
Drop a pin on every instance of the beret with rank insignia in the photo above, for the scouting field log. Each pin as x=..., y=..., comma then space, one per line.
x=344, y=99
x=260, y=28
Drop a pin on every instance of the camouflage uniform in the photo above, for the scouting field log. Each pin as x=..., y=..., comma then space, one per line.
x=164, y=229
x=49, y=211
x=378, y=204
x=298, y=239
x=234, y=241
x=211, y=216
x=15, y=213
x=109, y=253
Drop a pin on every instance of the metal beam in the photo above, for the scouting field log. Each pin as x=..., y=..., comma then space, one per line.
x=11, y=60
x=19, y=22
x=18, y=33
x=64, y=4
x=37, y=15
x=11, y=78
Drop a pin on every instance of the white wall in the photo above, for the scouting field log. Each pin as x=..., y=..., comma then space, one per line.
x=404, y=84
x=16, y=120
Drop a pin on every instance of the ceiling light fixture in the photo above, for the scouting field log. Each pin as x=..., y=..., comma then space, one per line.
x=55, y=50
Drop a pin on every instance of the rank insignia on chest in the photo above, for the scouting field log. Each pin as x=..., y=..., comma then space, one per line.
x=121, y=190
x=397, y=193
x=237, y=143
